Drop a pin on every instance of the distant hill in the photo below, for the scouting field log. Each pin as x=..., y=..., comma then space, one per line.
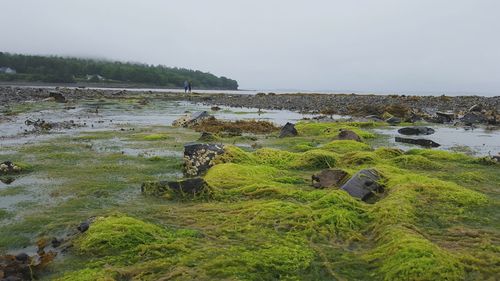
x=53, y=69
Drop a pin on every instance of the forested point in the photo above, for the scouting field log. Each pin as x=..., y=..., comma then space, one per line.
x=53, y=69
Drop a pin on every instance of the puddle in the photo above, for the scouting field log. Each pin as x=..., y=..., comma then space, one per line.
x=479, y=141
x=28, y=190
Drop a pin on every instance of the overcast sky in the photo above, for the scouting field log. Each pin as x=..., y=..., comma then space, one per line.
x=352, y=45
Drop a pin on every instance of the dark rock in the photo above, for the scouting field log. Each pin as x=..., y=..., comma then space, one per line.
x=198, y=157
x=215, y=108
x=474, y=118
x=22, y=257
x=58, y=97
x=348, y=135
x=417, y=130
x=7, y=180
x=445, y=117
x=155, y=188
x=421, y=142
x=288, y=130
x=189, y=186
x=364, y=184
x=393, y=120
x=84, y=226
x=56, y=242
x=329, y=178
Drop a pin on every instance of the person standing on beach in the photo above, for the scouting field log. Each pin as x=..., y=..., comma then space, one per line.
x=186, y=85
x=189, y=87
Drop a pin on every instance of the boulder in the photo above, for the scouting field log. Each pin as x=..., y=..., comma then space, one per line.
x=348, y=135
x=198, y=157
x=9, y=168
x=190, y=186
x=421, y=142
x=191, y=119
x=474, y=118
x=288, y=130
x=374, y=118
x=58, y=97
x=329, y=178
x=393, y=120
x=445, y=117
x=416, y=130
x=364, y=184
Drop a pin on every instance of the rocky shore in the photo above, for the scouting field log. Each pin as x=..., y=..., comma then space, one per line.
x=438, y=109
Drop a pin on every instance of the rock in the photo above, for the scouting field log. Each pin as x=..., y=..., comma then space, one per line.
x=13, y=269
x=215, y=108
x=156, y=188
x=7, y=180
x=22, y=257
x=421, y=142
x=189, y=186
x=476, y=108
x=84, y=226
x=191, y=119
x=288, y=130
x=364, y=184
x=393, y=120
x=58, y=97
x=9, y=168
x=445, y=117
x=39, y=124
x=348, y=135
x=416, y=130
x=207, y=137
x=56, y=242
x=329, y=178
x=474, y=118
x=198, y=157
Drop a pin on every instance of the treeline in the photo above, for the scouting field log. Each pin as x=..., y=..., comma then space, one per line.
x=54, y=69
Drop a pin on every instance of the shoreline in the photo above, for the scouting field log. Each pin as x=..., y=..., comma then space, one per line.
x=468, y=110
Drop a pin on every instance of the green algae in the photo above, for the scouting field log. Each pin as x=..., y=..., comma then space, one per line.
x=266, y=222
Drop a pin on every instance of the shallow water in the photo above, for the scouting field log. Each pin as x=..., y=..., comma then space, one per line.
x=479, y=142
x=119, y=115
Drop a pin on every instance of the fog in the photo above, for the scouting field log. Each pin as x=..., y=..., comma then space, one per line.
x=450, y=47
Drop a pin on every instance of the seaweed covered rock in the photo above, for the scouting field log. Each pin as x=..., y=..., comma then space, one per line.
x=169, y=189
x=9, y=168
x=288, y=131
x=329, y=178
x=191, y=186
x=421, y=142
x=15, y=267
x=154, y=188
x=348, y=135
x=416, y=130
x=364, y=184
x=191, y=119
x=198, y=157
x=207, y=137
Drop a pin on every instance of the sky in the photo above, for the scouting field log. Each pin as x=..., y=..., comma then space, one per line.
x=438, y=46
